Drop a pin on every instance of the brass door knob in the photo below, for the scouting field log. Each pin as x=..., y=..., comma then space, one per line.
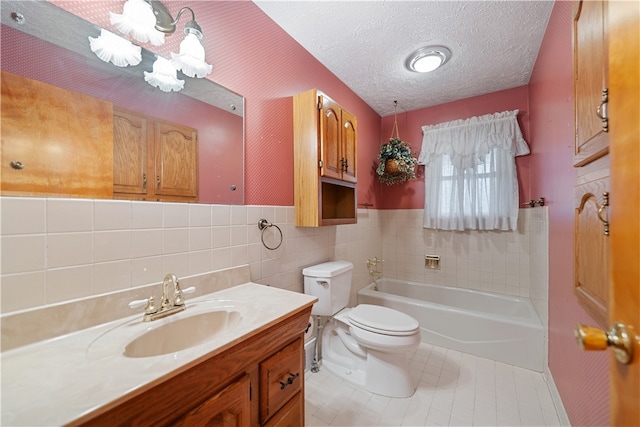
x=619, y=338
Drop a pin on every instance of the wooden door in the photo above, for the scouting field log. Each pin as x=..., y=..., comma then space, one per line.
x=624, y=78
x=349, y=142
x=330, y=117
x=130, y=141
x=176, y=160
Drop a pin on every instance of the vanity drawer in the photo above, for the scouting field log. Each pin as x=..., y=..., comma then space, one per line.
x=281, y=377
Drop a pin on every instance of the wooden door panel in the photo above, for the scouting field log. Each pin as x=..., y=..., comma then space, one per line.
x=229, y=408
x=589, y=48
x=330, y=139
x=176, y=160
x=349, y=146
x=592, y=250
x=129, y=152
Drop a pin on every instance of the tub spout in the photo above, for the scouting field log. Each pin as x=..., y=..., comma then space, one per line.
x=373, y=269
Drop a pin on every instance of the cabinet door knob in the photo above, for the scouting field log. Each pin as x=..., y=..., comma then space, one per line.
x=602, y=112
x=289, y=381
x=17, y=165
x=605, y=221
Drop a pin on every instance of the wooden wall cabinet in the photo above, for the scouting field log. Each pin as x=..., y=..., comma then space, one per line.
x=591, y=244
x=325, y=161
x=242, y=386
x=55, y=142
x=338, y=141
x=153, y=159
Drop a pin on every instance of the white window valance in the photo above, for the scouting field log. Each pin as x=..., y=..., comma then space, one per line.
x=468, y=141
x=470, y=174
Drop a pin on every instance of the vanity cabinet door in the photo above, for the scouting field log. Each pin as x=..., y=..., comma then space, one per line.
x=291, y=415
x=228, y=408
x=55, y=142
x=130, y=141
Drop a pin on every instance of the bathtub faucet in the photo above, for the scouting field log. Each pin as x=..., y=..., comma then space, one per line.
x=372, y=266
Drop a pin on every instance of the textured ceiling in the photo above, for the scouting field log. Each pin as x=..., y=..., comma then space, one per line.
x=365, y=44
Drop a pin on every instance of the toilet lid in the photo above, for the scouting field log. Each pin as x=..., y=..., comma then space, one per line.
x=384, y=320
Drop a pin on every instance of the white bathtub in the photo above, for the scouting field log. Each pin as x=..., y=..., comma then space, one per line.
x=498, y=327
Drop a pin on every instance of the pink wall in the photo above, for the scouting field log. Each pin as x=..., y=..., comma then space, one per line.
x=582, y=378
x=259, y=60
x=410, y=195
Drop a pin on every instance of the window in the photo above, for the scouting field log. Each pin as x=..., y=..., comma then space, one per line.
x=470, y=174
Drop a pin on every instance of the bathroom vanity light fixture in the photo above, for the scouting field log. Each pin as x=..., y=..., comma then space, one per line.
x=147, y=21
x=428, y=58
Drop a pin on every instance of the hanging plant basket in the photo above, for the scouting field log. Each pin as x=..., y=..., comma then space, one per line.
x=396, y=164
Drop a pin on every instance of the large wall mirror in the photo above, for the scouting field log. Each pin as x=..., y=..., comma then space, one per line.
x=48, y=44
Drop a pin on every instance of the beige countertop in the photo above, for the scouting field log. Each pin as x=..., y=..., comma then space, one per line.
x=59, y=380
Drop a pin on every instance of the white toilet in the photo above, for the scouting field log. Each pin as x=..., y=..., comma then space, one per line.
x=366, y=344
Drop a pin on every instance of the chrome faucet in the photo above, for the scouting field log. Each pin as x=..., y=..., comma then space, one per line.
x=372, y=267
x=167, y=306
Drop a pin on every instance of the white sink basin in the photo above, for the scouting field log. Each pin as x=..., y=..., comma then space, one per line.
x=203, y=321
x=182, y=333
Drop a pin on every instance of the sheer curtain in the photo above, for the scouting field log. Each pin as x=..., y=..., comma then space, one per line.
x=470, y=172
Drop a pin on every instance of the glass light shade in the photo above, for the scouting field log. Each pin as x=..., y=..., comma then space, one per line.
x=164, y=76
x=190, y=60
x=428, y=59
x=428, y=63
x=112, y=48
x=138, y=20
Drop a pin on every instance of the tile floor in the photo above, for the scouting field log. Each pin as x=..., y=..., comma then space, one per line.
x=454, y=389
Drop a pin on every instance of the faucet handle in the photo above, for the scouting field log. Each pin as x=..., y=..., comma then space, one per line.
x=177, y=295
x=149, y=303
x=138, y=303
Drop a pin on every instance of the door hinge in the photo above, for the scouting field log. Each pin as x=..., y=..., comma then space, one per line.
x=319, y=103
x=320, y=164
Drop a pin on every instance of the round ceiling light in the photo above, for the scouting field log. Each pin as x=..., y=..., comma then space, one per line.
x=428, y=58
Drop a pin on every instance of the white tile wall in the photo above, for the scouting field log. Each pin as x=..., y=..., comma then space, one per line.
x=57, y=249
x=494, y=261
x=54, y=250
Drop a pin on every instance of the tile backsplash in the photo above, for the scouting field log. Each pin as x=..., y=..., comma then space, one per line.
x=56, y=250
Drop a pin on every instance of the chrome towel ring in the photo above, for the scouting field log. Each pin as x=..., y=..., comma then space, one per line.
x=263, y=224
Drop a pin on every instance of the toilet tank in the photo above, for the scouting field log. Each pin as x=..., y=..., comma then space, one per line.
x=331, y=283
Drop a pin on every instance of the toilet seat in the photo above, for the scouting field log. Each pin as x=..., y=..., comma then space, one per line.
x=382, y=320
